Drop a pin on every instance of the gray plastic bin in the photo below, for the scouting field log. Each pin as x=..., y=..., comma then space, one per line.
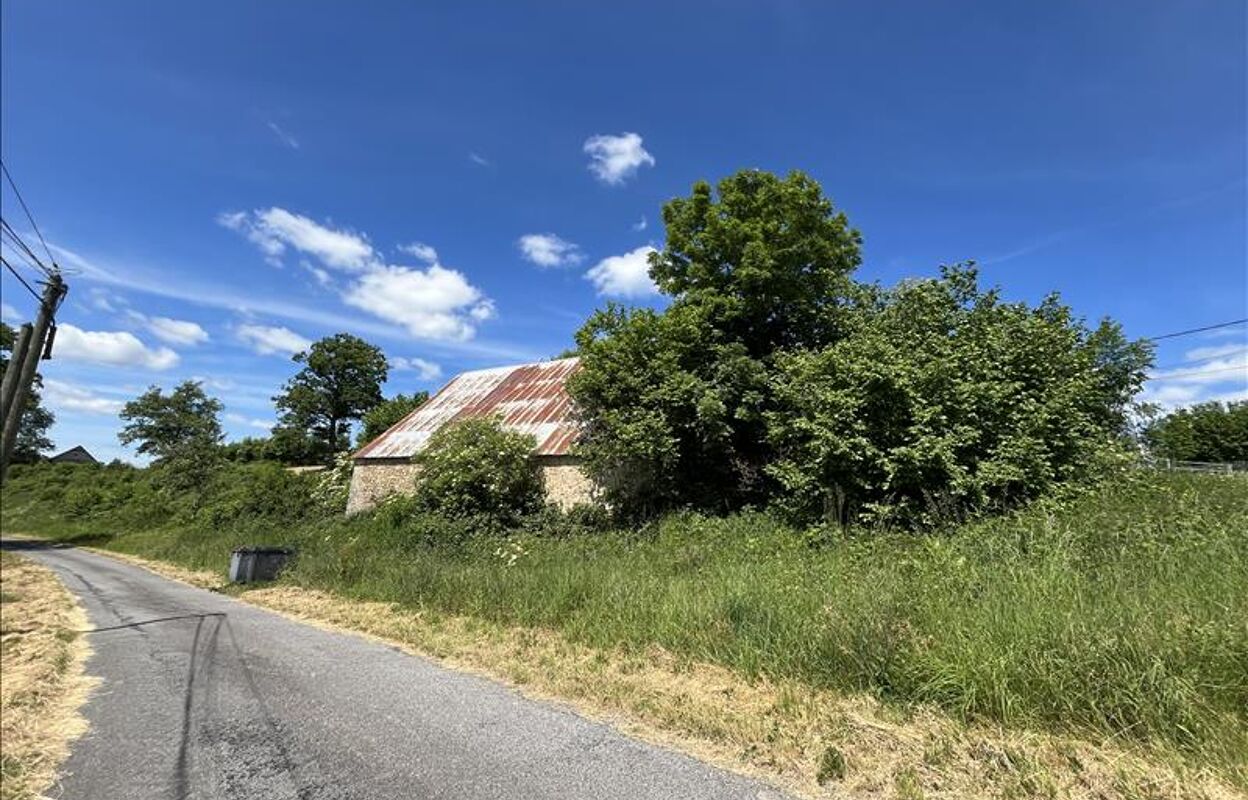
x=249, y=564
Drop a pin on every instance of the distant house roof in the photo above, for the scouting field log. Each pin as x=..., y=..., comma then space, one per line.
x=74, y=455
x=529, y=398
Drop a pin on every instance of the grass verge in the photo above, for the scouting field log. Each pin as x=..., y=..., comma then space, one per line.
x=815, y=744
x=41, y=659
x=1118, y=617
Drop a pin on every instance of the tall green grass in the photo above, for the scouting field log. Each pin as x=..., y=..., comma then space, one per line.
x=1122, y=612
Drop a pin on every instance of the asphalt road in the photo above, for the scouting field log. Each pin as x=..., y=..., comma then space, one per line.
x=204, y=696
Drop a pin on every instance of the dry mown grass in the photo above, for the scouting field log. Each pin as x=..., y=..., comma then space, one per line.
x=814, y=744
x=43, y=686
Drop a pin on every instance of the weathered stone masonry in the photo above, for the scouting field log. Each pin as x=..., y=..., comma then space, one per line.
x=373, y=480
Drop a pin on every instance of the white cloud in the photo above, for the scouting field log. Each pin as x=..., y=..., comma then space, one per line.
x=548, y=250
x=260, y=424
x=219, y=296
x=117, y=348
x=420, y=250
x=323, y=278
x=284, y=136
x=275, y=229
x=272, y=340
x=641, y=224
x=425, y=370
x=624, y=276
x=176, y=331
x=1224, y=378
x=104, y=300
x=63, y=396
x=479, y=160
x=1202, y=353
x=9, y=314
x=433, y=303
x=614, y=159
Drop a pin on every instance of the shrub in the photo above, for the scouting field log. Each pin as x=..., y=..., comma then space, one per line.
x=476, y=467
x=946, y=400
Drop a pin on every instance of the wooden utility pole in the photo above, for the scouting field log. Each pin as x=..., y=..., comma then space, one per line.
x=53, y=293
x=20, y=346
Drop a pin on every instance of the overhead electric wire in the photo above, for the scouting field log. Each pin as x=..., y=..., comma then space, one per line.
x=20, y=279
x=21, y=247
x=29, y=216
x=1197, y=330
x=1241, y=368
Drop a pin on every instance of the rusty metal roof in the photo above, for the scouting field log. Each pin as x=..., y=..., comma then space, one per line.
x=529, y=398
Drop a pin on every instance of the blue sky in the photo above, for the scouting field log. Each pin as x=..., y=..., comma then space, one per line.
x=463, y=183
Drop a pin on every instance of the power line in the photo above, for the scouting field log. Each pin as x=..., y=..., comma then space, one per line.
x=1198, y=330
x=29, y=216
x=1241, y=368
x=20, y=245
x=20, y=279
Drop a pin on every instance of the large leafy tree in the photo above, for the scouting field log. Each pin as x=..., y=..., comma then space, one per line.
x=674, y=401
x=946, y=399
x=1210, y=431
x=383, y=416
x=181, y=430
x=32, y=431
x=340, y=381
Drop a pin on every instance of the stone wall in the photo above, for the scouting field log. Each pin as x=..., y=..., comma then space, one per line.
x=566, y=483
x=373, y=479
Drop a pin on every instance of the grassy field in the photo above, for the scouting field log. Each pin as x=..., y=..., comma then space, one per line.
x=1121, y=614
x=41, y=658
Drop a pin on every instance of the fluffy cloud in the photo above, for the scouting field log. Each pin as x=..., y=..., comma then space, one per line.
x=613, y=159
x=259, y=424
x=548, y=250
x=9, y=314
x=1213, y=373
x=273, y=230
x=421, y=251
x=432, y=303
x=115, y=348
x=176, y=331
x=62, y=396
x=272, y=340
x=624, y=276
x=425, y=370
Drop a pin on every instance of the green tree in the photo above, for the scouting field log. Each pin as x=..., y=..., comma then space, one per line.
x=477, y=467
x=946, y=399
x=383, y=416
x=32, y=431
x=674, y=401
x=1210, y=431
x=181, y=430
x=340, y=381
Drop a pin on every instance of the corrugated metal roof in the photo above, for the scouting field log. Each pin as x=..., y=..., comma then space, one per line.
x=530, y=398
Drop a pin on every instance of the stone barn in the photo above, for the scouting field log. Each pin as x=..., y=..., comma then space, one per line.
x=528, y=398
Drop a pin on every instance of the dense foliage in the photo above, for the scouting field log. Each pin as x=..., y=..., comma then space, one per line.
x=476, y=467
x=340, y=381
x=774, y=377
x=383, y=416
x=945, y=398
x=32, y=431
x=674, y=401
x=181, y=430
x=1120, y=611
x=1206, y=432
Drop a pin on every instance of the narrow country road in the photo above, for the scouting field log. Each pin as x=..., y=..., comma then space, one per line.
x=203, y=696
